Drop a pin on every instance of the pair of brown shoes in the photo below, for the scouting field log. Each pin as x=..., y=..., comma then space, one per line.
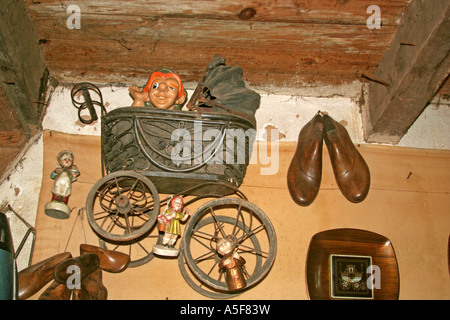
x=71, y=277
x=305, y=171
x=91, y=288
x=90, y=264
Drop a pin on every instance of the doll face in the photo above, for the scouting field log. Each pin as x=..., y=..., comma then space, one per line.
x=177, y=204
x=224, y=247
x=163, y=92
x=65, y=161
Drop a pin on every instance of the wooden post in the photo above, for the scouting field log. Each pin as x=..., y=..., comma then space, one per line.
x=412, y=70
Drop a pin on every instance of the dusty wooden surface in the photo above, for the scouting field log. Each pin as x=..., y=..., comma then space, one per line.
x=278, y=44
x=408, y=204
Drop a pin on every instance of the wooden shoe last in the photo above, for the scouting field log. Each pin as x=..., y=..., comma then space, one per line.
x=350, y=169
x=305, y=171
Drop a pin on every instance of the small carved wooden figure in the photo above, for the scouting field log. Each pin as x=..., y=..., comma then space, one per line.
x=64, y=175
x=232, y=264
x=169, y=222
x=163, y=90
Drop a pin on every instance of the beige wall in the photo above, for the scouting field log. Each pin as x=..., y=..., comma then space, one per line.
x=408, y=203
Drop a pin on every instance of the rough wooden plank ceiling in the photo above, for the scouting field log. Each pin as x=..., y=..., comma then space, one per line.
x=283, y=44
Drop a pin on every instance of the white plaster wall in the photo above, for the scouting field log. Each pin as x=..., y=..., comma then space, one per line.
x=290, y=113
x=287, y=113
x=431, y=130
x=20, y=192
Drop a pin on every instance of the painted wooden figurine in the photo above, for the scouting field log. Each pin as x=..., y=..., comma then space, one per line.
x=64, y=175
x=232, y=265
x=169, y=222
x=163, y=90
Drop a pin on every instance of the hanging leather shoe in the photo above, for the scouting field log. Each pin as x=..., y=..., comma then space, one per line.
x=350, y=169
x=79, y=294
x=305, y=171
x=110, y=261
x=93, y=288
x=35, y=277
x=56, y=291
x=76, y=269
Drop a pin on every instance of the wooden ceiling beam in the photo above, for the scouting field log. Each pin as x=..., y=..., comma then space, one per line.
x=21, y=65
x=411, y=71
x=282, y=45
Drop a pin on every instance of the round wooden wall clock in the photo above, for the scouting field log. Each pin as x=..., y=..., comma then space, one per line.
x=351, y=264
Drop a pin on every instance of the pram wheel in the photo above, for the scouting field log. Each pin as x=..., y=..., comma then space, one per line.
x=248, y=229
x=122, y=206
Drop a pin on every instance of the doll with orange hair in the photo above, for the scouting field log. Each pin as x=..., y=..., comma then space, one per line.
x=163, y=90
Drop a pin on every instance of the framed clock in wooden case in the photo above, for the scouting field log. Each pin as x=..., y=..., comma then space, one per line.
x=351, y=264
